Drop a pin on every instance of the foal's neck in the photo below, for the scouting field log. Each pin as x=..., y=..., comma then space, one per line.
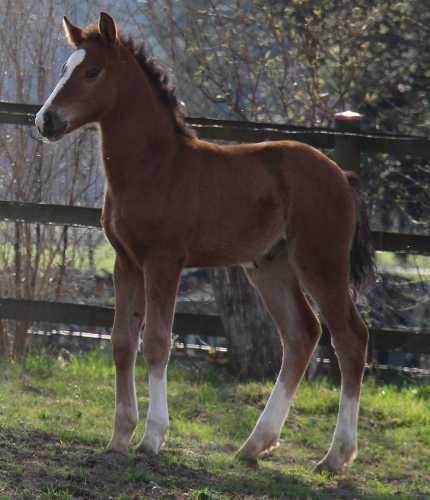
x=138, y=132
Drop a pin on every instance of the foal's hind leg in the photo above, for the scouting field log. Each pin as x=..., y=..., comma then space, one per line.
x=349, y=337
x=300, y=330
x=129, y=316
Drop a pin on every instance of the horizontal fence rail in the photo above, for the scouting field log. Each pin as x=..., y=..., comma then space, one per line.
x=319, y=137
x=239, y=131
x=40, y=213
x=225, y=130
x=60, y=313
x=18, y=114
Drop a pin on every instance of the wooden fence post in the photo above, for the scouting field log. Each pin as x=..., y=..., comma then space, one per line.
x=347, y=147
x=347, y=156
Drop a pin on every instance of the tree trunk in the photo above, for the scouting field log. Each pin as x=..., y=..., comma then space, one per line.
x=20, y=338
x=4, y=344
x=20, y=330
x=252, y=337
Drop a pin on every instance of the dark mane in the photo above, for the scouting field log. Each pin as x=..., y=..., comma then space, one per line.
x=160, y=79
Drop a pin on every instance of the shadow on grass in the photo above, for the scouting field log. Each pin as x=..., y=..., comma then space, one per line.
x=236, y=481
x=39, y=465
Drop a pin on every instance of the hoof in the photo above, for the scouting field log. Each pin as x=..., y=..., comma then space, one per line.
x=143, y=449
x=247, y=461
x=334, y=464
x=340, y=454
x=248, y=454
x=323, y=468
x=151, y=443
x=253, y=448
x=113, y=451
x=117, y=446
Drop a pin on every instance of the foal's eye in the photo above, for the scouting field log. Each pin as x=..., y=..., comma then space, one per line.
x=92, y=74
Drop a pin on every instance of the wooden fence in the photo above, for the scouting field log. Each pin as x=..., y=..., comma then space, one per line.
x=347, y=142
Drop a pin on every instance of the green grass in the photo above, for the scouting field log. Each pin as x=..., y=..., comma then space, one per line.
x=55, y=423
x=104, y=257
x=409, y=268
x=50, y=254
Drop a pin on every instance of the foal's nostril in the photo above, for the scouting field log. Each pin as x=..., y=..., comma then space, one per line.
x=51, y=125
x=48, y=123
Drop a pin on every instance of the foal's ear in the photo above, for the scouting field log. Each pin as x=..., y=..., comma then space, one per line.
x=107, y=28
x=73, y=33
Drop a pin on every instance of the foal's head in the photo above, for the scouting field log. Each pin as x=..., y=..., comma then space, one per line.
x=88, y=79
x=101, y=71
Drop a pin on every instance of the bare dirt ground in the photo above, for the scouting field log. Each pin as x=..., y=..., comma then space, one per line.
x=37, y=466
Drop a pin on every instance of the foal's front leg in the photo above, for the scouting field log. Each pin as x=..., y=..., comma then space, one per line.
x=129, y=316
x=161, y=285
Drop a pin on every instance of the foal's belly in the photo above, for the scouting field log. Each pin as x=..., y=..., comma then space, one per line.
x=235, y=249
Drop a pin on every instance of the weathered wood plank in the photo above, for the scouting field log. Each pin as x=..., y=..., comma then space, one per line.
x=398, y=146
x=56, y=312
x=251, y=135
x=382, y=339
x=417, y=342
x=81, y=314
x=13, y=107
x=50, y=214
x=239, y=131
x=86, y=216
x=385, y=241
x=18, y=114
x=16, y=119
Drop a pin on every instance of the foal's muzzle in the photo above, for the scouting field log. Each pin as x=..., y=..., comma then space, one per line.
x=52, y=127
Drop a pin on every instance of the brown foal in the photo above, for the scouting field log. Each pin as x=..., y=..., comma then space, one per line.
x=284, y=210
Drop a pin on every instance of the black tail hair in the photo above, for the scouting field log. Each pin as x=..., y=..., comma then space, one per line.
x=362, y=260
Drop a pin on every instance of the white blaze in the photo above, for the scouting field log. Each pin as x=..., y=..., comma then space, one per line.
x=74, y=60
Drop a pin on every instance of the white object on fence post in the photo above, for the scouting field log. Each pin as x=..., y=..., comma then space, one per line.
x=347, y=156
x=347, y=147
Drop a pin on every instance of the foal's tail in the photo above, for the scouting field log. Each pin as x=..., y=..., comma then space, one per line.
x=362, y=260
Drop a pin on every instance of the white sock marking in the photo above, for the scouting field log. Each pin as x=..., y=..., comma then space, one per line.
x=157, y=420
x=158, y=411
x=276, y=410
x=74, y=60
x=344, y=445
x=346, y=426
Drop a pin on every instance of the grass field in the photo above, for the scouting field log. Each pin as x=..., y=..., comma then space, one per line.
x=55, y=423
